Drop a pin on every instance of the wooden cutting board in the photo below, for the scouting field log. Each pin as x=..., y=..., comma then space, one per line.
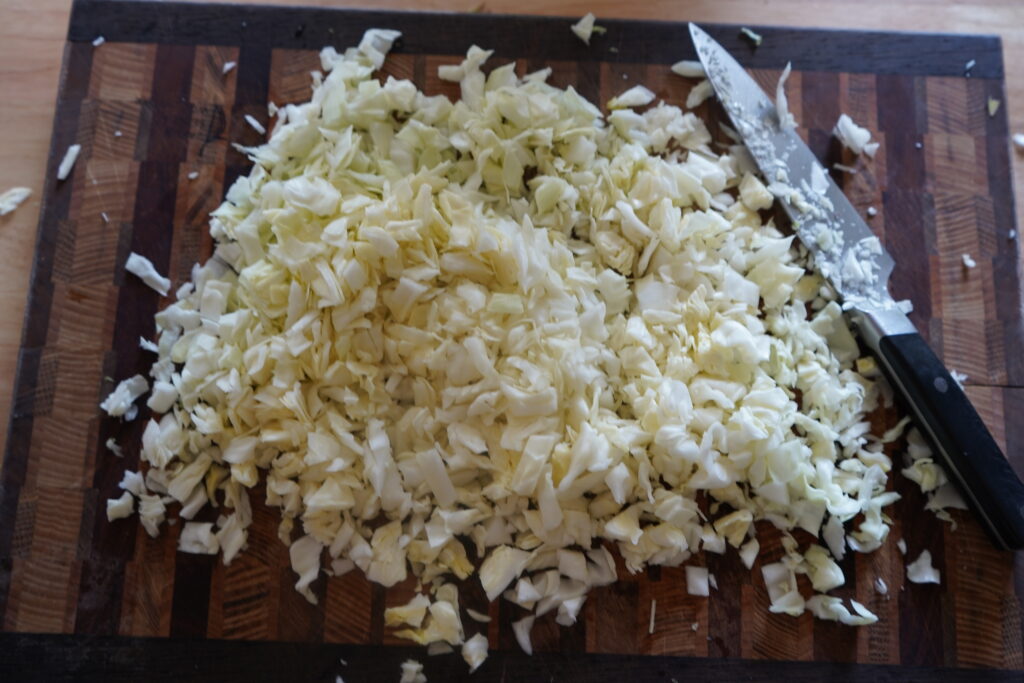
x=151, y=106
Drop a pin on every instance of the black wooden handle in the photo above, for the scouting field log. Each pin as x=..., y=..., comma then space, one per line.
x=965, y=447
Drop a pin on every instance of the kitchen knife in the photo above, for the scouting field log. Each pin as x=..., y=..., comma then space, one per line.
x=852, y=259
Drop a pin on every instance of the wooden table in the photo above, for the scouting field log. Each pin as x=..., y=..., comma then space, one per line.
x=32, y=39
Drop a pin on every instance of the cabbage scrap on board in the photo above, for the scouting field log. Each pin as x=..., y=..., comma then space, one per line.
x=509, y=326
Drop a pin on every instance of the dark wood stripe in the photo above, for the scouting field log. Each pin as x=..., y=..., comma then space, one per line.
x=906, y=214
x=652, y=42
x=74, y=83
x=819, y=91
x=297, y=619
x=190, y=605
x=378, y=598
x=901, y=106
x=250, y=98
x=922, y=612
x=31, y=657
x=151, y=235
x=253, y=75
x=725, y=607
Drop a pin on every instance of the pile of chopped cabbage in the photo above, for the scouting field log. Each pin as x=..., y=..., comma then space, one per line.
x=510, y=325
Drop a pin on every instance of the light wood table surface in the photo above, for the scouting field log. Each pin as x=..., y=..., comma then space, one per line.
x=32, y=37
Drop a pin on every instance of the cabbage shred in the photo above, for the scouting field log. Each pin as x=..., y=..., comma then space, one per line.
x=509, y=324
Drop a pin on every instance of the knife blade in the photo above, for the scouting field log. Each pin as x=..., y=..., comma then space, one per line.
x=847, y=253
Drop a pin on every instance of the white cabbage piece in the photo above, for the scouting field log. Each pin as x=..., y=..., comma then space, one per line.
x=585, y=28
x=922, y=571
x=143, y=268
x=697, y=581
x=637, y=96
x=688, y=68
x=118, y=508
x=411, y=613
x=114, y=447
x=854, y=137
x=11, y=199
x=754, y=195
x=832, y=609
x=152, y=513
x=699, y=93
x=412, y=672
x=305, y=561
x=68, y=162
x=231, y=536
x=786, y=120
x=198, y=538
x=119, y=402
x=474, y=651
x=501, y=568
x=478, y=617
x=162, y=397
x=521, y=629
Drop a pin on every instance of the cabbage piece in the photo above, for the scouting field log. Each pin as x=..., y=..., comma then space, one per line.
x=68, y=161
x=474, y=651
x=119, y=508
x=305, y=560
x=143, y=268
x=854, y=137
x=585, y=28
x=521, y=629
x=637, y=96
x=411, y=613
x=11, y=199
x=697, y=581
x=786, y=120
x=501, y=567
x=688, y=69
x=922, y=571
x=198, y=538
x=119, y=402
x=412, y=672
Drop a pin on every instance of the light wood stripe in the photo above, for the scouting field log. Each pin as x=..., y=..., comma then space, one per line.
x=122, y=71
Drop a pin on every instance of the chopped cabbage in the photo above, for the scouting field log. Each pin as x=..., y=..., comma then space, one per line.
x=198, y=538
x=585, y=28
x=921, y=569
x=119, y=508
x=688, y=68
x=142, y=267
x=508, y=328
x=412, y=672
x=854, y=137
x=68, y=162
x=12, y=199
x=120, y=401
x=521, y=630
x=474, y=651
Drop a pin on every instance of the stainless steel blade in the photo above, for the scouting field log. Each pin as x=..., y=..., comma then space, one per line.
x=845, y=250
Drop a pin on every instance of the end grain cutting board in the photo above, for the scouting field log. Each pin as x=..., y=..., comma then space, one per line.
x=151, y=105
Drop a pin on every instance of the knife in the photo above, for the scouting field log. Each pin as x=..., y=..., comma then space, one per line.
x=852, y=259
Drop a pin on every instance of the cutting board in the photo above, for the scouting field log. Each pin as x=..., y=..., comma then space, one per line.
x=151, y=106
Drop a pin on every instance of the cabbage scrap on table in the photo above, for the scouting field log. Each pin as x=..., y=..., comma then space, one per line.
x=509, y=325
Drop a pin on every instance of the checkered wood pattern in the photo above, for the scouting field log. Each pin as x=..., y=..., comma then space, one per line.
x=147, y=115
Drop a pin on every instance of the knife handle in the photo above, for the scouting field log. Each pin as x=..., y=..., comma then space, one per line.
x=965, y=447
